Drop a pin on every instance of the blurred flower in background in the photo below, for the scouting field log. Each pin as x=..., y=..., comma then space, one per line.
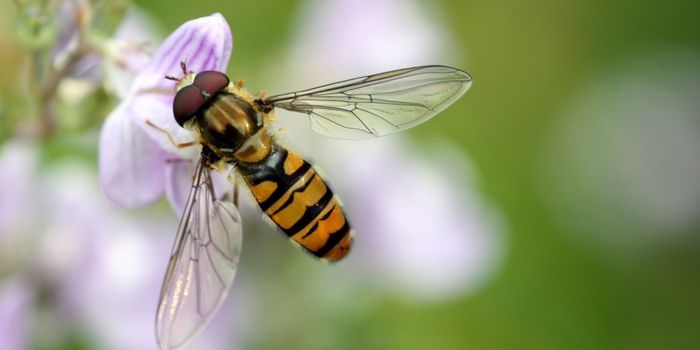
x=19, y=168
x=338, y=39
x=626, y=157
x=81, y=266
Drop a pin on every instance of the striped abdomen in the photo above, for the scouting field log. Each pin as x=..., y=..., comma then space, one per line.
x=297, y=199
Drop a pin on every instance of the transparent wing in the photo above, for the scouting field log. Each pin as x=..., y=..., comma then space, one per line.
x=378, y=104
x=202, y=264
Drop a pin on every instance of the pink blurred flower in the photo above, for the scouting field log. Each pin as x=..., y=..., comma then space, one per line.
x=136, y=159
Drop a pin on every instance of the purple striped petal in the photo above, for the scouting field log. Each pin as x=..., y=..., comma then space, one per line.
x=131, y=164
x=203, y=44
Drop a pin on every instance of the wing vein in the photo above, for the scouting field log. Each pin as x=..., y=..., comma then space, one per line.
x=390, y=101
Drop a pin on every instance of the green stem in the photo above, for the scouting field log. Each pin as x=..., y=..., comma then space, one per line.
x=49, y=86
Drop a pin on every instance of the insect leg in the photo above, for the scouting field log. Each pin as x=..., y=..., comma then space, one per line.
x=170, y=137
x=236, y=186
x=235, y=180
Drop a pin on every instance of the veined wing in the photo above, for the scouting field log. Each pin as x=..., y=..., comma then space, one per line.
x=378, y=104
x=202, y=264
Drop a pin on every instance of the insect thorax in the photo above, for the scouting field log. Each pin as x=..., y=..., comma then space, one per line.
x=232, y=128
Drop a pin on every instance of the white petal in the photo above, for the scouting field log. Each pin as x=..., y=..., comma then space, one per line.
x=131, y=164
x=152, y=110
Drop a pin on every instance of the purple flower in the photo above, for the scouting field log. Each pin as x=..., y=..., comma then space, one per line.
x=139, y=162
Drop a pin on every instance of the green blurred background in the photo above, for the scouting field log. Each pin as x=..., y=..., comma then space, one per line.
x=562, y=285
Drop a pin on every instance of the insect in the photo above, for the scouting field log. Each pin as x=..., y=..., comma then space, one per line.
x=230, y=124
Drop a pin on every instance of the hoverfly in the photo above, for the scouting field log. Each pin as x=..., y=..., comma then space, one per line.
x=231, y=126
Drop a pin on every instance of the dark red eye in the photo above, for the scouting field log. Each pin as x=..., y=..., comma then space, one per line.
x=211, y=81
x=187, y=102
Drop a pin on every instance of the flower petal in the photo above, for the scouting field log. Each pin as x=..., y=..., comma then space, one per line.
x=128, y=51
x=152, y=110
x=131, y=164
x=204, y=44
x=178, y=182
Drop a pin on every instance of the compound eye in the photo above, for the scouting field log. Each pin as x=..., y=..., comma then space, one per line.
x=211, y=81
x=186, y=104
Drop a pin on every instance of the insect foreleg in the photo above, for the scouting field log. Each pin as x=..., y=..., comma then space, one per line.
x=170, y=137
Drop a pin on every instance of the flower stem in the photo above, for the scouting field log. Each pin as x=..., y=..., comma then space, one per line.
x=49, y=88
x=49, y=85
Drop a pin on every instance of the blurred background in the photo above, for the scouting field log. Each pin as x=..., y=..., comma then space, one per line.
x=555, y=206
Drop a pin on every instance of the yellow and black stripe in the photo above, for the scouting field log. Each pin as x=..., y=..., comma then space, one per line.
x=302, y=205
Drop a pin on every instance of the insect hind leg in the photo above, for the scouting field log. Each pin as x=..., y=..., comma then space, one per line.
x=236, y=186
